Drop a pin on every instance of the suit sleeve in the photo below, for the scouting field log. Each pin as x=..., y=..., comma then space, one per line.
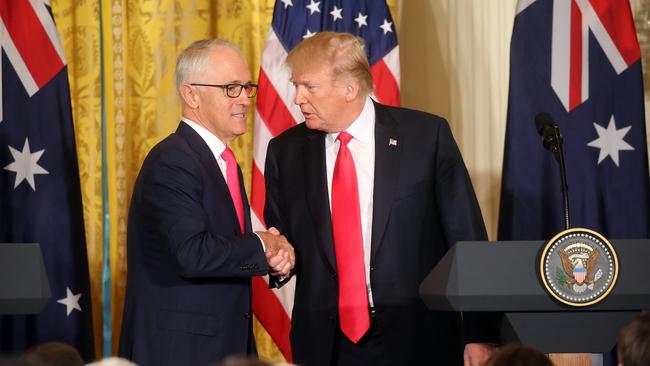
x=272, y=209
x=461, y=221
x=172, y=200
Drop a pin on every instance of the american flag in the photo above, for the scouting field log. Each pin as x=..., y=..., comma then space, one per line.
x=294, y=20
x=40, y=197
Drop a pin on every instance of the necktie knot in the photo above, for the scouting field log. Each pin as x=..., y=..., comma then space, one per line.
x=228, y=155
x=344, y=137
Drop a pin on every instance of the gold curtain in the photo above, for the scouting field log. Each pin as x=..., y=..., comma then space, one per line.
x=128, y=50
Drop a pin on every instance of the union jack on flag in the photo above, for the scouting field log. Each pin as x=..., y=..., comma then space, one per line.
x=294, y=20
x=578, y=60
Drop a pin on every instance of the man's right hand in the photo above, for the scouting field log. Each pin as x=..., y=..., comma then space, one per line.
x=279, y=253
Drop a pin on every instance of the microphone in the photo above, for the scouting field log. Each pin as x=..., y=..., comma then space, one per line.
x=550, y=132
x=552, y=140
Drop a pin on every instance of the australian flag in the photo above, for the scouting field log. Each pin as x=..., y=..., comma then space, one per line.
x=579, y=61
x=40, y=198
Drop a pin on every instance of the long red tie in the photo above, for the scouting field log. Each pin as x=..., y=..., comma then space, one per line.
x=232, y=179
x=348, y=245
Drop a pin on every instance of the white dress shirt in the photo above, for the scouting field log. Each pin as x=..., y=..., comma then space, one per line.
x=217, y=147
x=362, y=148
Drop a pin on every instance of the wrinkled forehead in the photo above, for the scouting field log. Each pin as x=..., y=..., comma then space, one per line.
x=310, y=73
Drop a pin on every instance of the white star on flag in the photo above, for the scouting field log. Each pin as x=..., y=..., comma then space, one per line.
x=610, y=141
x=287, y=3
x=25, y=165
x=71, y=301
x=313, y=7
x=361, y=20
x=336, y=13
x=386, y=26
x=308, y=34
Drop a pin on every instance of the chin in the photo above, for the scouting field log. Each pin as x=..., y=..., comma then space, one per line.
x=312, y=125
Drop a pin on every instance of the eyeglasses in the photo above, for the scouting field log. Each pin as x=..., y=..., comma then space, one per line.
x=234, y=90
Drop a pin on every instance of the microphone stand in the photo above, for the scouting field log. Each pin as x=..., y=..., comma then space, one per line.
x=559, y=154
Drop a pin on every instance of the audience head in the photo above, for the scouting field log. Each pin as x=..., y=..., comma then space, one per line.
x=634, y=342
x=112, y=361
x=242, y=361
x=53, y=354
x=518, y=355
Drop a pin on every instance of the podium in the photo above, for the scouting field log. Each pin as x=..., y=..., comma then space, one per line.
x=504, y=277
x=24, y=288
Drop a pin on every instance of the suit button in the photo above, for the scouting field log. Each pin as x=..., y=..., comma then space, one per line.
x=247, y=316
x=373, y=268
x=333, y=275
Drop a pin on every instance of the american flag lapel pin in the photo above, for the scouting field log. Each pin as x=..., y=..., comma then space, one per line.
x=392, y=142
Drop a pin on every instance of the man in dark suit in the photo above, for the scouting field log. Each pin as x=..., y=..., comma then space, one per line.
x=191, y=253
x=371, y=197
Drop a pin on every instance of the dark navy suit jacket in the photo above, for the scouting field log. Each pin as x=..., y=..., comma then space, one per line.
x=188, y=296
x=423, y=202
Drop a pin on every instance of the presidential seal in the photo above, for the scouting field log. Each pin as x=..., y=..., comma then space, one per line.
x=579, y=267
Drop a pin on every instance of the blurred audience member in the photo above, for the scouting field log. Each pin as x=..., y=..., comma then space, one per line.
x=53, y=354
x=634, y=342
x=518, y=355
x=113, y=361
x=243, y=361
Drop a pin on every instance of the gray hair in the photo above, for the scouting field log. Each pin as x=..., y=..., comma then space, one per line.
x=194, y=60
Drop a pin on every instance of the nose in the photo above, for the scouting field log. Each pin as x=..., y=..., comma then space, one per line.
x=300, y=97
x=243, y=98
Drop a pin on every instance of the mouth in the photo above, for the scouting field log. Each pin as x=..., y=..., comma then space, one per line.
x=239, y=115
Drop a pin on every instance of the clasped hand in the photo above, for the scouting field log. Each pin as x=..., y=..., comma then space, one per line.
x=279, y=253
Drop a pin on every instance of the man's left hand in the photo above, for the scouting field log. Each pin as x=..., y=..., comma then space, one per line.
x=477, y=354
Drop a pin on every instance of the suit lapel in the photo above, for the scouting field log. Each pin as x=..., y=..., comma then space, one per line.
x=387, y=158
x=316, y=190
x=209, y=162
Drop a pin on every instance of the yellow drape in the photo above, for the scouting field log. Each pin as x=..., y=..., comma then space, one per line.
x=128, y=49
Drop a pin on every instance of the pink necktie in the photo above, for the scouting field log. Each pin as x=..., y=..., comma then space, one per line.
x=232, y=179
x=348, y=245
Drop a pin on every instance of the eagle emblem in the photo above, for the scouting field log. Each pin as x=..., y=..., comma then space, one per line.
x=579, y=263
x=578, y=267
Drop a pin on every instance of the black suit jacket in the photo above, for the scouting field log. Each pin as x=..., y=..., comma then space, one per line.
x=188, y=296
x=423, y=203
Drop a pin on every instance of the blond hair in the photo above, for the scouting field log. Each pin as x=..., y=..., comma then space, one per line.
x=343, y=52
x=194, y=59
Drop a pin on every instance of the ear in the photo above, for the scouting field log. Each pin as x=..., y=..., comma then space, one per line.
x=189, y=95
x=351, y=90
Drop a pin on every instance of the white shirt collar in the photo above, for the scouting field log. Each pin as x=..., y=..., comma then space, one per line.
x=363, y=128
x=216, y=146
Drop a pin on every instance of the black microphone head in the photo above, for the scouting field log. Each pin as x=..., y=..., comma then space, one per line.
x=542, y=121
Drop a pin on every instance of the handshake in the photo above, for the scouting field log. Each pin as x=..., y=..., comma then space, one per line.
x=279, y=253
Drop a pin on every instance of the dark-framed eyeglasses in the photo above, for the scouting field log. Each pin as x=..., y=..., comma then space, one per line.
x=233, y=90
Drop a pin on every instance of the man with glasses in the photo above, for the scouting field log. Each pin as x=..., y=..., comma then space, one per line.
x=191, y=252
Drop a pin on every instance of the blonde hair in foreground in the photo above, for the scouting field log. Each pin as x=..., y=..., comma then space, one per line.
x=344, y=53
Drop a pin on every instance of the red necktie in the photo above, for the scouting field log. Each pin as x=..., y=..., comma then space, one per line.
x=232, y=179
x=348, y=245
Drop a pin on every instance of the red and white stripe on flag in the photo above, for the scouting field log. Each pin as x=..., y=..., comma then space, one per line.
x=275, y=112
